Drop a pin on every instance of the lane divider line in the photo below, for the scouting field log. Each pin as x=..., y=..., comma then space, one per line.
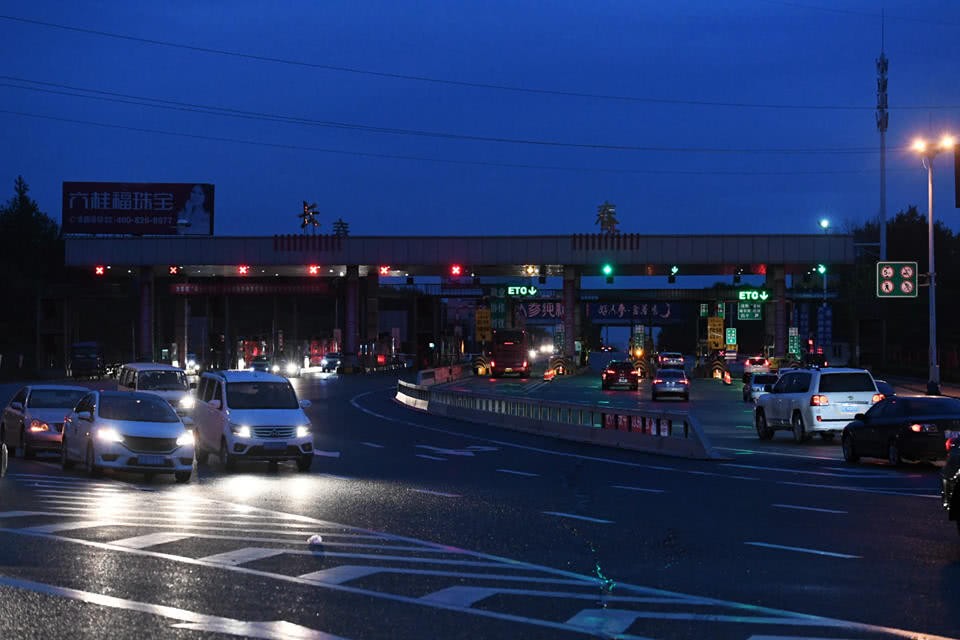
x=816, y=552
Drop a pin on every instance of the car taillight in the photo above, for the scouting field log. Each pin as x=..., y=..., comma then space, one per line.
x=524, y=364
x=766, y=363
x=492, y=364
x=951, y=443
x=923, y=428
x=610, y=372
x=877, y=397
x=684, y=382
x=658, y=381
x=819, y=401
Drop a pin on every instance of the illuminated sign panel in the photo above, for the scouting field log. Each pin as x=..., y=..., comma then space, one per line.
x=747, y=295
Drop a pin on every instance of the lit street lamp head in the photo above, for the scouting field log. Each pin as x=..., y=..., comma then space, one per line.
x=925, y=148
x=824, y=224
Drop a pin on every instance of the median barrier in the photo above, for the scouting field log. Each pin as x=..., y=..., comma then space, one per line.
x=671, y=433
x=439, y=375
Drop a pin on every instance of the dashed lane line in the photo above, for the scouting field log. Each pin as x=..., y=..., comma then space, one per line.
x=816, y=552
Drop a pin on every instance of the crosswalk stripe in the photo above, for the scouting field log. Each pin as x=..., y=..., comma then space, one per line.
x=363, y=570
x=151, y=540
x=20, y=514
x=241, y=556
x=68, y=526
x=339, y=575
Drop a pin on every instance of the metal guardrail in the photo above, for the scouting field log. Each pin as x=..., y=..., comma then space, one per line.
x=673, y=433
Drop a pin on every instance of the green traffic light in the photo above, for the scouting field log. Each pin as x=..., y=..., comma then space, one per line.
x=821, y=269
x=607, y=269
x=674, y=270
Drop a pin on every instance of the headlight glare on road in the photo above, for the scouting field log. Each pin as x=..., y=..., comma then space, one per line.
x=185, y=438
x=109, y=435
x=303, y=431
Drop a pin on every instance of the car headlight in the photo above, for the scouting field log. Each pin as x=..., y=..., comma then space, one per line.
x=37, y=425
x=187, y=402
x=275, y=368
x=185, y=438
x=109, y=435
x=324, y=362
x=291, y=367
x=240, y=430
x=303, y=431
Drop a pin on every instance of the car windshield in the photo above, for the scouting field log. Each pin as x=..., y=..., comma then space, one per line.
x=261, y=395
x=55, y=398
x=755, y=361
x=765, y=379
x=671, y=373
x=162, y=381
x=933, y=406
x=136, y=408
x=852, y=381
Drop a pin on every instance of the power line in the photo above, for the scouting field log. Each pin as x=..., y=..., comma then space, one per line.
x=447, y=81
x=158, y=103
x=294, y=147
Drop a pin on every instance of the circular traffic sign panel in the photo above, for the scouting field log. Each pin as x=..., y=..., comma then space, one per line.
x=887, y=286
x=906, y=286
x=906, y=271
x=886, y=271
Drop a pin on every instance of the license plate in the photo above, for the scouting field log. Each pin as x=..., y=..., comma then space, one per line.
x=273, y=446
x=848, y=408
x=623, y=379
x=508, y=370
x=153, y=461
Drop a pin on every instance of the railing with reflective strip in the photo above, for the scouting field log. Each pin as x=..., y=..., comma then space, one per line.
x=676, y=433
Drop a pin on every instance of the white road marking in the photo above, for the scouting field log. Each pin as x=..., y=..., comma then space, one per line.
x=151, y=540
x=642, y=489
x=519, y=473
x=797, y=471
x=479, y=447
x=426, y=457
x=816, y=552
x=278, y=630
x=326, y=454
x=902, y=492
x=742, y=451
x=605, y=622
x=817, y=509
x=446, y=452
x=468, y=596
x=68, y=526
x=20, y=514
x=560, y=514
x=339, y=575
x=242, y=556
x=461, y=596
x=372, y=444
x=437, y=493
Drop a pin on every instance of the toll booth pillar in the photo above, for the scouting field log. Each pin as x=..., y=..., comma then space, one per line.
x=571, y=310
x=372, y=311
x=181, y=324
x=777, y=283
x=145, y=344
x=351, y=336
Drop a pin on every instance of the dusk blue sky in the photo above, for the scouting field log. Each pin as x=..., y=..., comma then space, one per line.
x=709, y=167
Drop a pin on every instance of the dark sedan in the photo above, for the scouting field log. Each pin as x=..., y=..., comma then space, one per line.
x=903, y=428
x=950, y=477
x=620, y=372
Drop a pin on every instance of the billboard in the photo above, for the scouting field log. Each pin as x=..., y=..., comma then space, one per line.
x=139, y=208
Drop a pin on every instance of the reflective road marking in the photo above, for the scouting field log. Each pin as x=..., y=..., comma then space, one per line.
x=644, y=490
x=576, y=517
x=793, y=506
x=519, y=473
x=802, y=550
x=151, y=540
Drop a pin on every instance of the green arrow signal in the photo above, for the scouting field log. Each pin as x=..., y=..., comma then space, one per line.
x=532, y=291
x=764, y=295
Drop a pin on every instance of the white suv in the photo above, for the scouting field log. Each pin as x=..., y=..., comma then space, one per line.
x=809, y=401
x=251, y=415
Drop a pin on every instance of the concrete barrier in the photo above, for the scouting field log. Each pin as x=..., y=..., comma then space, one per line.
x=440, y=375
x=671, y=433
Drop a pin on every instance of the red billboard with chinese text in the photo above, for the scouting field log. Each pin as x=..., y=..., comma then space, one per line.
x=140, y=208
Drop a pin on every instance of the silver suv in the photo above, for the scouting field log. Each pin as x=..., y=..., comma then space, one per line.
x=808, y=401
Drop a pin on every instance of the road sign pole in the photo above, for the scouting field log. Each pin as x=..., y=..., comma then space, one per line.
x=933, y=386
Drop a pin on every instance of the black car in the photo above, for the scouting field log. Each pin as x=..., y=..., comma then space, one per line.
x=885, y=388
x=903, y=428
x=950, y=477
x=620, y=372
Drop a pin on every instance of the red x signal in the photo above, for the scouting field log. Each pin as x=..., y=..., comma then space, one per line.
x=99, y=270
x=456, y=270
x=173, y=270
x=243, y=269
x=313, y=269
x=384, y=269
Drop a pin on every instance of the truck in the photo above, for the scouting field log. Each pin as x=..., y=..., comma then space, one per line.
x=510, y=353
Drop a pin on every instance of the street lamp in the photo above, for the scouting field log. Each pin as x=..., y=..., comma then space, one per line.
x=928, y=152
x=825, y=225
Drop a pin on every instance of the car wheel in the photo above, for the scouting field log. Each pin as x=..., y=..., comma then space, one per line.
x=88, y=462
x=826, y=436
x=764, y=432
x=182, y=477
x=228, y=461
x=304, y=462
x=202, y=455
x=849, y=451
x=28, y=451
x=65, y=462
x=799, y=431
x=11, y=450
x=893, y=455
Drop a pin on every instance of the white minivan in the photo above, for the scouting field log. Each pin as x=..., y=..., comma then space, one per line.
x=164, y=380
x=251, y=415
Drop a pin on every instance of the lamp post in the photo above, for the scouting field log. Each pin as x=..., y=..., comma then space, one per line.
x=928, y=152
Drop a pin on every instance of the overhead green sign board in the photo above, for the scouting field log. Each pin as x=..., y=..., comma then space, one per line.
x=749, y=311
x=522, y=291
x=752, y=295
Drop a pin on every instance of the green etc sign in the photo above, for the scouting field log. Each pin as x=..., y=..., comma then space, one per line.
x=522, y=291
x=753, y=295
